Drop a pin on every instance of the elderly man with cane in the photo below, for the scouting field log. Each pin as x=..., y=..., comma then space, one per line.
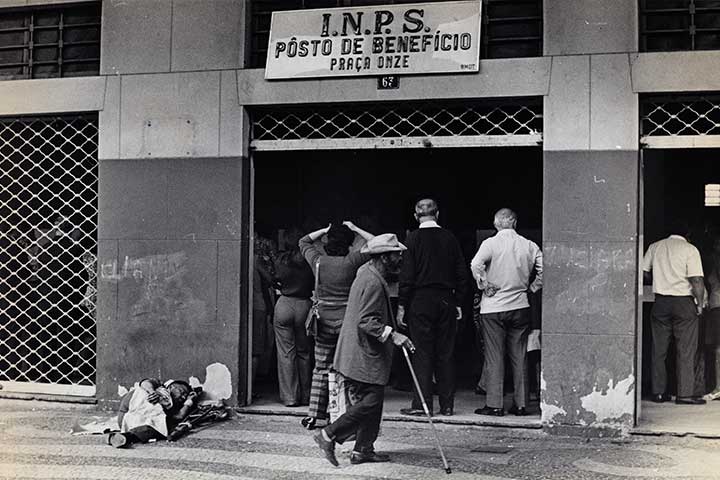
x=364, y=353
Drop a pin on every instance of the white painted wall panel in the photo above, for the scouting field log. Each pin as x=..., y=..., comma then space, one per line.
x=170, y=115
x=517, y=77
x=567, y=107
x=231, y=117
x=109, y=121
x=613, y=105
x=675, y=71
x=55, y=95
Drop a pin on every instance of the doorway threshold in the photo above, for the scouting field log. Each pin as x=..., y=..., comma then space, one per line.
x=658, y=419
x=465, y=404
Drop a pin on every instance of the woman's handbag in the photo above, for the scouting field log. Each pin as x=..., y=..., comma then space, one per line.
x=314, y=314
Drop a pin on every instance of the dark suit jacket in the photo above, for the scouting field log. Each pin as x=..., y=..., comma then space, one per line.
x=360, y=353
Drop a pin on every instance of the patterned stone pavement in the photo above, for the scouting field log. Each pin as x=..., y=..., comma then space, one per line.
x=35, y=443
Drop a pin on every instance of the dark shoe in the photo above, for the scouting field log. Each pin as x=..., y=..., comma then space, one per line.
x=357, y=458
x=118, y=440
x=415, y=412
x=660, y=398
x=309, y=423
x=690, y=401
x=519, y=411
x=447, y=411
x=328, y=448
x=494, y=412
x=372, y=457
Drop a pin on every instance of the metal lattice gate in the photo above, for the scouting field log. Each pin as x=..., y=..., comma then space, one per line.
x=680, y=121
x=407, y=125
x=48, y=247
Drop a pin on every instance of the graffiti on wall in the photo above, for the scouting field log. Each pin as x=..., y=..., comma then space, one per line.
x=160, y=285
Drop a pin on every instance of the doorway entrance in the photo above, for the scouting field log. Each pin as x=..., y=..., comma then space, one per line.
x=674, y=184
x=304, y=190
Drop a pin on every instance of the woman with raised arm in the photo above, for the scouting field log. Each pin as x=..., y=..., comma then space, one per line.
x=335, y=270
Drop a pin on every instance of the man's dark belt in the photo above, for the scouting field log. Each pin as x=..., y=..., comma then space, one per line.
x=660, y=295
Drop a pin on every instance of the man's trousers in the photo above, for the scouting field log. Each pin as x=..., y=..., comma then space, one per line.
x=433, y=328
x=505, y=331
x=361, y=418
x=674, y=317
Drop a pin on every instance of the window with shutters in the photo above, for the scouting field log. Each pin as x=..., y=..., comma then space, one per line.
x=50, y=42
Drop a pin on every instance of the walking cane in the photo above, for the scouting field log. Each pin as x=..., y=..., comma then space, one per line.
x=427, y=411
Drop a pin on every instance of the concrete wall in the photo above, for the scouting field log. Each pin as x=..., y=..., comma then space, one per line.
x=171, y=187
x=590, y=216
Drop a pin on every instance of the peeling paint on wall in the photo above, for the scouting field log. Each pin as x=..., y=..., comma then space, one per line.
x=548, y=411
x=611, y=405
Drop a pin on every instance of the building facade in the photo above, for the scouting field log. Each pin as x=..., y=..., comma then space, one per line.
x=176, y=106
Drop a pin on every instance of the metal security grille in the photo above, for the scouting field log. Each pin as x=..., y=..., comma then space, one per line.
x=50, y=42
x=511, y=28
x=680, y=121
x=398, y=125
x=48, y=248
x=667, y=25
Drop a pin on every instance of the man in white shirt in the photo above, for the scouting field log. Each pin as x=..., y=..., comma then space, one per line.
x=677, y=281
x=502, y=267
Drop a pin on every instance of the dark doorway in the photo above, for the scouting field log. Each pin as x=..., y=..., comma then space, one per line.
x=674, y=186
x=377, y=190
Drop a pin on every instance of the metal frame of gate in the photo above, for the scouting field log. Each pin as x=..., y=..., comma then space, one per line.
x=408, y=125
x=48, y=252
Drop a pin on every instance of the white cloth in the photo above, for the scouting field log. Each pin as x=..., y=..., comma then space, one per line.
x=509, y=259
x=141, y=412
x=672, y=261
x=534, y=342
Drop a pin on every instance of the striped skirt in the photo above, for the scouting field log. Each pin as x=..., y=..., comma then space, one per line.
x=325, y=343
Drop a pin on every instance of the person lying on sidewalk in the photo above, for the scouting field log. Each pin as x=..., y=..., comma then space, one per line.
x=152, y=410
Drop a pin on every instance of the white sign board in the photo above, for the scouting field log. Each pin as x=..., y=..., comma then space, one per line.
x=420, y=38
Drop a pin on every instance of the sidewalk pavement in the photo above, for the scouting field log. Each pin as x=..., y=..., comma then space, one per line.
x=35, y=443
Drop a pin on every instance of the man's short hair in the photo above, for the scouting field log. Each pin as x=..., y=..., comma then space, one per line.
x=505, y=218
x=426, y=207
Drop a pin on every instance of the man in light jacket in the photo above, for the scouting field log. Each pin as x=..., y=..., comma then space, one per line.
x=502, y=268
x=364, y=353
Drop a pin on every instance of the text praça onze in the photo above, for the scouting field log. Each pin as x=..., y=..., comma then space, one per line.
x=388, y=51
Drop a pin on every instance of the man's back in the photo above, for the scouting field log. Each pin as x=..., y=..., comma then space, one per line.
x=433, y=260
x=510, y=260
x=672, y=261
